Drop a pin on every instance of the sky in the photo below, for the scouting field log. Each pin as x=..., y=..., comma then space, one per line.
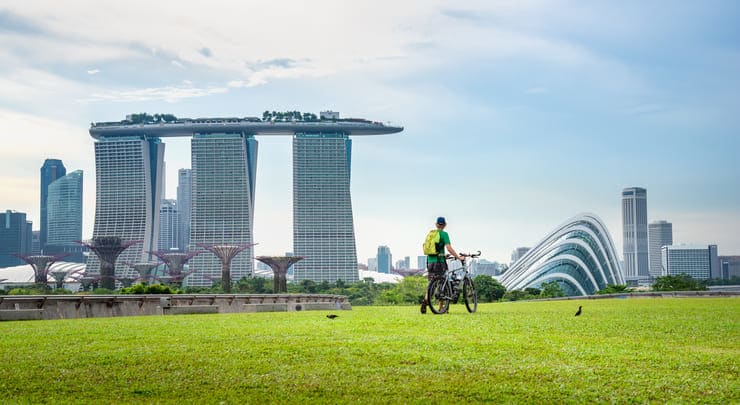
x=517, y=115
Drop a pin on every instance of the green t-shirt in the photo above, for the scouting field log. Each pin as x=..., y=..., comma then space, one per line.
x=444, y=240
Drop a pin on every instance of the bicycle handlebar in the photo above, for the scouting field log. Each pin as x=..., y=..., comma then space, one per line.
x=464, y=255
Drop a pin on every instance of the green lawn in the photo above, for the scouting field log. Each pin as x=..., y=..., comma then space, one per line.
x=678, y=350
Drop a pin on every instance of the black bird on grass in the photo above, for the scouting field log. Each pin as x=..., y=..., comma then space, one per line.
x=332, y=316
x=579, y=310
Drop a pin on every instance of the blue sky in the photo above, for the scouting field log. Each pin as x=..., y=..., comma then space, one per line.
x=517, y=115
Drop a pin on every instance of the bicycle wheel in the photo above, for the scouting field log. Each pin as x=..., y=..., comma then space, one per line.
x=470, y=295
x=439, y=296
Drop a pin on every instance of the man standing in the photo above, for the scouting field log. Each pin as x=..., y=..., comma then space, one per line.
x=437, y=263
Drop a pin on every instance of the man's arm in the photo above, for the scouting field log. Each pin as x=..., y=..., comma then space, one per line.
x=452, y=252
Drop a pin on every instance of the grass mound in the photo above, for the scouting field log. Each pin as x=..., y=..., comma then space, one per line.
x=632, y=350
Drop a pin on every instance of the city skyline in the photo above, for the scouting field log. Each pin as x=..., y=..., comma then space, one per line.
x=536, y=111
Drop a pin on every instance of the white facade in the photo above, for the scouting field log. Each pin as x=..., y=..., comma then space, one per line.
x=222, y=202
x=323, y=227
x=579, y=255
x=699, y=262
x=64, y=210
x=128, y=192
x=169, y=221
x=184, y=198
x=660, y=233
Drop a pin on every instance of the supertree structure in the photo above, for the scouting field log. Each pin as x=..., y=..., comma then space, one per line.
x=226, y=253
x=143, y=269
x=108, y=248
x=40, y=265
x=175, y=262
x=279, y=266
x=59, y=276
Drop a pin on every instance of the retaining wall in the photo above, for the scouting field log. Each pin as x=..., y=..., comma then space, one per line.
x=28, y=307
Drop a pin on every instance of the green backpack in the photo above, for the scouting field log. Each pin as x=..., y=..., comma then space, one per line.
x=432, y=243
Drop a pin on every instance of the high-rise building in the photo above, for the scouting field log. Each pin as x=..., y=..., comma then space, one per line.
x=15, y=237
x=421, y=262
x=635, y=233
x=128, y=194
x=384, y=258
x=224, y=155
x=323, y=227
x=517, y=253
x=169, y=223
x=64, y=217
x=660, y=233
x=51, y=170
x=184, y=198
x=699, y=262
x=223, y=176
x=372, y=264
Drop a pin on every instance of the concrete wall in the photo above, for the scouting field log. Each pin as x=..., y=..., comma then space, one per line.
x=27, y=307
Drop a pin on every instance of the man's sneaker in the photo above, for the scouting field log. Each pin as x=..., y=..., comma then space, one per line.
x=423, y=307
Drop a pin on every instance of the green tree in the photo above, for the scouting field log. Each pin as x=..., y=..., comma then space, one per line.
x=518, y=295
x=681, y=282
x=488, y=288
x=411, y=289
x=551, y=289
x=615, y=289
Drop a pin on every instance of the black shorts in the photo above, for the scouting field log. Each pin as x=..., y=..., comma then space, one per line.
x=436, y=270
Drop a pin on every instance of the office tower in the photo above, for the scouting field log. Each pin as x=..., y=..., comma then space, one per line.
x=323, y=228
x=421, y=262
x=223, y=175
x=169, y=224
x=15, y=237
x=699, y=262
x=372, y=264
x=635, y=233
x=128, y=193
x=660, y=233
x=517, y=253
x=384, y=259
x=407, y=262
x=64, y=217
x=50, y=171
x=184, y=198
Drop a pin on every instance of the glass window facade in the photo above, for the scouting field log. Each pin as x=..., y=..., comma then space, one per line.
x=222, y=198
x=128, y=194
x=323, y=228
x=579, y=255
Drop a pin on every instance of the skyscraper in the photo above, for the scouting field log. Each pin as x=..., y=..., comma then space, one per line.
x=323, y=227
x=635, y=233
x=168, y=225
x=660, y=233
x=50, y=171
x=64, y=216
x=15, y=237
x=385, y=258
x=128, y=194
x=224, y=167
x=184, y=198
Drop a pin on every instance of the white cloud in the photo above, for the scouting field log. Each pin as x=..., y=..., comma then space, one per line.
x=169, y=94
x=93, y=71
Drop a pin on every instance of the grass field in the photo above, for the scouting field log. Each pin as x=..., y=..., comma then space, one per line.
x=678, y=350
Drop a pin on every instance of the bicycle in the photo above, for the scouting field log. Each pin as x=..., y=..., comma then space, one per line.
x=446, y=289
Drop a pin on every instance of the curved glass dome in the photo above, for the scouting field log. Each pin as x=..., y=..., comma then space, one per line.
x=579, y=254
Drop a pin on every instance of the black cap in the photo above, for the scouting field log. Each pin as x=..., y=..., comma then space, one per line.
x=441, y=221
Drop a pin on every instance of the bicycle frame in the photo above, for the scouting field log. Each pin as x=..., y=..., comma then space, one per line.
x=453, y=282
